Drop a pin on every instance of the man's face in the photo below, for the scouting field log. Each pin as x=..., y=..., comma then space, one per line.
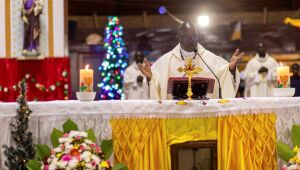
x=139, y=57
x=188, y=39
x=261, y=51
x=295, y=70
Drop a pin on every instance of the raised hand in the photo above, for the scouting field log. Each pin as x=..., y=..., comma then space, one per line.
x=236, y=57
x=145, y=68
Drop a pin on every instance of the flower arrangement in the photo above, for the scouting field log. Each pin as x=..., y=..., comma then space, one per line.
x=291, y=156
x=74, y=149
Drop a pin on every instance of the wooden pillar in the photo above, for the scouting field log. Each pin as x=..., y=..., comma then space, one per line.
x=265, y=16
x=145, y=19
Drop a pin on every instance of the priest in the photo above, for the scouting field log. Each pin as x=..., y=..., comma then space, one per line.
x=135, y=83
x=260, y=74
x=188, y=48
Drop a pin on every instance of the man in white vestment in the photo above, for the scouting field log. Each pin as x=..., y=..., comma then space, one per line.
x=167, y=65
x=260, y=74
x=135, y=83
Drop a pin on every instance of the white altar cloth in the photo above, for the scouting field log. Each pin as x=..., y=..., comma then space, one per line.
x=96, y=115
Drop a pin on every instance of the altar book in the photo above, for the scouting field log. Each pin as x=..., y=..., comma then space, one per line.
x=177, y=87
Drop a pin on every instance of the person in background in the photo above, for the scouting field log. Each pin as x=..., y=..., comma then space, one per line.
x=135, y=83
x=295, y=79
x=259, y=74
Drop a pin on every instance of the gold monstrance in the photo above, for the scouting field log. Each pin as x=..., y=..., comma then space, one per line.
x=190, y=70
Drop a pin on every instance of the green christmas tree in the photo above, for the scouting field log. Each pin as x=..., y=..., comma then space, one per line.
x=23, y=149
x=115, y=62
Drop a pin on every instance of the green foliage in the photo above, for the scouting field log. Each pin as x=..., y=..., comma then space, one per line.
x=55, y=135
x=69, y=125
x=42, y=152
x=295, y=135
x=284, y=151
x=91, y=135
x=33, y=165
x=107, y=148
x=120, y=167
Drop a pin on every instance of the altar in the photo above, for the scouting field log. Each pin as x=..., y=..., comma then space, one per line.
x=246, y=129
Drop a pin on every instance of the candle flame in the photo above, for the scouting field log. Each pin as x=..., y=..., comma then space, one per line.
x=87, y=66
x=281, y=64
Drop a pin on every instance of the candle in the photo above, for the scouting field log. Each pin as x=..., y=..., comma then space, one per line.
x=86, y=79
x=283, y=75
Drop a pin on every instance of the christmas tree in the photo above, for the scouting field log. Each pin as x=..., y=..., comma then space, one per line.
x=115, y=62
x=18, y=156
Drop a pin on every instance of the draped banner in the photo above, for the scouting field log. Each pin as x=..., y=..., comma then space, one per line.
x=244, y=141
x=47, y=79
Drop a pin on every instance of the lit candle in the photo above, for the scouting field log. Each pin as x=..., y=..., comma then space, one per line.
x=283, y=75
x=86, y=79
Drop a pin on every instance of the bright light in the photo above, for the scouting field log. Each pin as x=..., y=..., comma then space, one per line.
x=203, y=20
x=87, y=66
x=162, y=10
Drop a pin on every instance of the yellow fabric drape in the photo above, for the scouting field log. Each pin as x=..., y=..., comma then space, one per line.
x=184, y=130
x=247, y=142
x=140, y=143
x=244, y=141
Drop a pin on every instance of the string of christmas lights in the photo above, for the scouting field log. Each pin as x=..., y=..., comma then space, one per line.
x=115, y=62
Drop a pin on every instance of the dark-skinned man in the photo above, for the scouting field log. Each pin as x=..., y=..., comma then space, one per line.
x=260, y=74
x=167, y=65
x=135, y=83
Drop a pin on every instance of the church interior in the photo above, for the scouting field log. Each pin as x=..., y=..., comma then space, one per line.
x=150, y=84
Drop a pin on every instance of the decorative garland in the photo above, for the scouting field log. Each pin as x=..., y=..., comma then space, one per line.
x=63, y=81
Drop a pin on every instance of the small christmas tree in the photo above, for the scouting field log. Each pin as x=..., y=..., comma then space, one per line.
x=115, y=62
x=18, y=156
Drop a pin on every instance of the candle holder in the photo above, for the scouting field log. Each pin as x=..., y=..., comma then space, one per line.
x=283, y=92
x=86, y=96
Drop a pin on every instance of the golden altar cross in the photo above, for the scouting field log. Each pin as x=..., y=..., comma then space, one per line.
x=190, y=70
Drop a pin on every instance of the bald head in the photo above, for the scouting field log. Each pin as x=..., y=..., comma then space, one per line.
x=188, y=36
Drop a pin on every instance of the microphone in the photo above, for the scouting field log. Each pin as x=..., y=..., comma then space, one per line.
x=220, y=90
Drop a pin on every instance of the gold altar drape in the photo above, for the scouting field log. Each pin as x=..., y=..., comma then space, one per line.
x=184, y=130
x=139, y=143
x=244, y=141
x=247, y=142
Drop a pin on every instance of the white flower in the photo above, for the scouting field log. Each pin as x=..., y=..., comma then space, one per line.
x=86, y=156
x=88, y=141
x=96, y=159
x=73, y=134
x=52, y=166
x=62, y=164
x=73, y=163
x=5, y=89
x=62, y=140
x=83, y=134
x=58, y=149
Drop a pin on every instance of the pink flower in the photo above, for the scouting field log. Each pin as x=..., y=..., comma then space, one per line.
x=46, y=167
x=93, y=163
x=77, y=137
x=93, y=145
x=98, y=149
x=67, y=158
x=82, y=148
x=65, y=135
